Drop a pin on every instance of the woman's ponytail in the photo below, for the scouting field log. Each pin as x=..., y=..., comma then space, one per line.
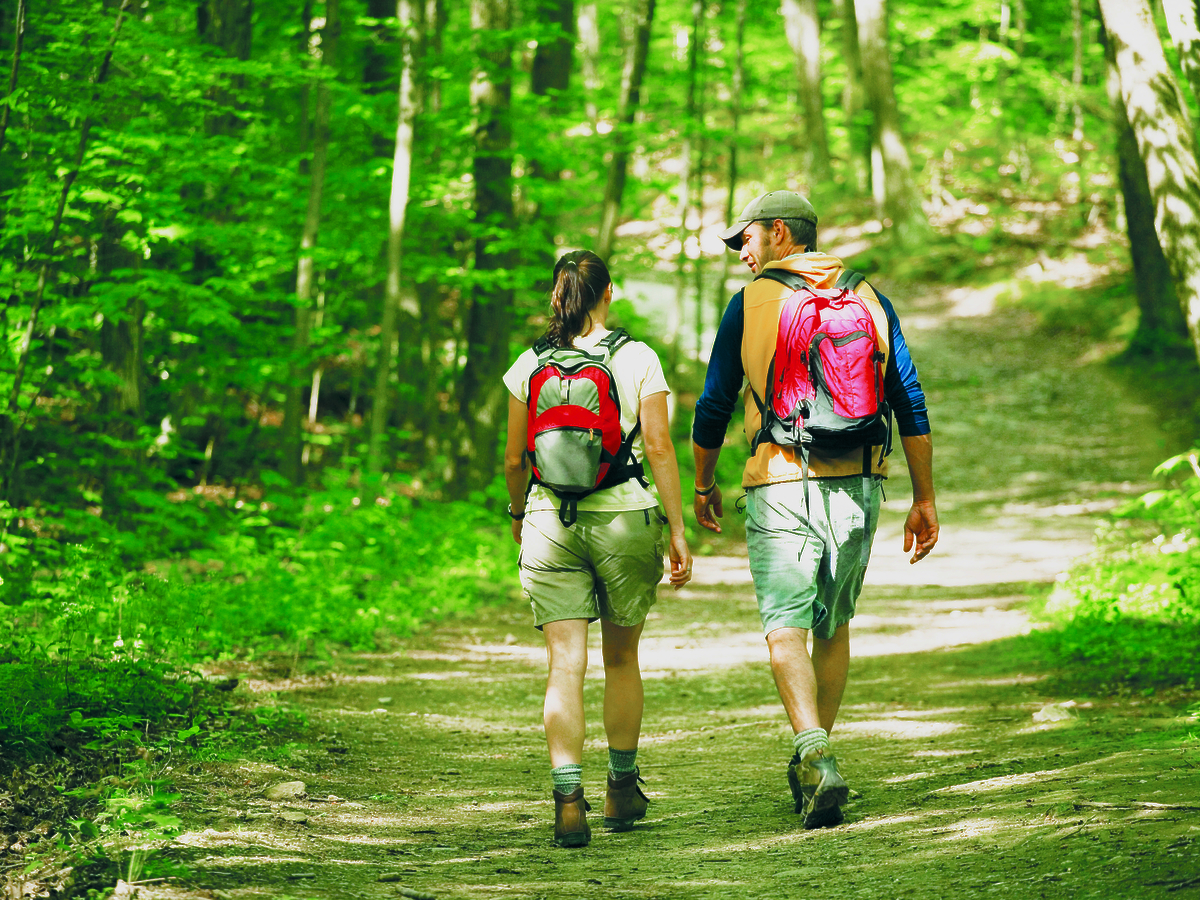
x=580, y=278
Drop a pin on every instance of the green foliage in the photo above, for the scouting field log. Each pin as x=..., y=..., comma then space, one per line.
x=1131, y=612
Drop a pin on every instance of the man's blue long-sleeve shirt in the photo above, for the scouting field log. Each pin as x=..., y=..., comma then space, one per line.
x=723, y=383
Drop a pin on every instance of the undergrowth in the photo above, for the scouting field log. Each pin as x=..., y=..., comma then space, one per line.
x=113, y=662
x=1130, y=612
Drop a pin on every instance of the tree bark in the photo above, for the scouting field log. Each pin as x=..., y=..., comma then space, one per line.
x=1160, y=318
x=698, y=170
x=735, y=107
x=227, y=24
x=901, y=203
x=859, y=142
x=631, y=93
x=735, y=114
x=298, y=374
x=1077, y=72
x=1185, y=34
x=589, y=42
x=687, y=165
x=803, y=29
x=15, y=69
x=550, y=80
x=482, y=401
x=1166, y=144
x=434, y=28
x=406, y=110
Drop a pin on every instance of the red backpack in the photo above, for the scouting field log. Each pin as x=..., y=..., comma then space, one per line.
x=825, y=382
x=575, y=443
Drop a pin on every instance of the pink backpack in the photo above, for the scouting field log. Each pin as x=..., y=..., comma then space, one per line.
x=825, y=382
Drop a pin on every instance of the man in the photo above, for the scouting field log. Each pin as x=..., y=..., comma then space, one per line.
x=808, y=559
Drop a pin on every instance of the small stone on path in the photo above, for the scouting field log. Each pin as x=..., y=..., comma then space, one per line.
x=1054, y=712
x=286, y=790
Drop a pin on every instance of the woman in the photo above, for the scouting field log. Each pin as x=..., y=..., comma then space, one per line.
x=606, y=563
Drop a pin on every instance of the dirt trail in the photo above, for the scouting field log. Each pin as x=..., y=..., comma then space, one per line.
x=437, y=760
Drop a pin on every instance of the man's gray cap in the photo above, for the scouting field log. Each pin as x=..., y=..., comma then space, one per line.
x=768, y=208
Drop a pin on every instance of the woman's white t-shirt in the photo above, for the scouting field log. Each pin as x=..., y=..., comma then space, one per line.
x=638, y=375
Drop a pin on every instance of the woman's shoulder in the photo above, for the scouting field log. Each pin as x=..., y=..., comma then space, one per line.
x=633, y=349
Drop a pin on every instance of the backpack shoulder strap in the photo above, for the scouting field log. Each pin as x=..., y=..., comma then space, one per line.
x=784, y=277
x=614, y=341
x=542, y=349
x=849, y=279
x=852, y=280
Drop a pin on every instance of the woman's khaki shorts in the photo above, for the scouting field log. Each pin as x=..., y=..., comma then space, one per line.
x=608, y=564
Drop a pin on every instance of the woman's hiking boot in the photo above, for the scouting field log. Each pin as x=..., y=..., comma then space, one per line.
x=570, y=819
x=818, y=789
x=624, y=803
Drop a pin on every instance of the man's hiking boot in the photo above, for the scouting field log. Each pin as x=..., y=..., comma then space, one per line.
x=624, y=803
x=570, y=819
x=818, y=789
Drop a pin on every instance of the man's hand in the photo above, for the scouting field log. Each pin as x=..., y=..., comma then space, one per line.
x=921, y=526
x=516, y=529
x=708, y=509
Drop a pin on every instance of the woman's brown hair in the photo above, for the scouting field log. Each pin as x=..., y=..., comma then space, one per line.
x=580, y=278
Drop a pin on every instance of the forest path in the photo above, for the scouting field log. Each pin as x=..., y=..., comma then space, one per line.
x=967, y=778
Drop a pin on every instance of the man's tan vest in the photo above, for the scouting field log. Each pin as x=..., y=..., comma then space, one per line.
x=763, y=301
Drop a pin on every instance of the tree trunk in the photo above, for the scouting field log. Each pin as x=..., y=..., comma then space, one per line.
x=1166, y=143
x=434, y=28
x=698, y=169
x=482, y=401
x=227, y=24
x=16, y=68
x=857, y=138
x=735, y=114
x=1077, y=72
x=121, y=347
x=406, y=110
x=121, y=336
x=901, y=203
x=1185, y=34
x=550, y=79
x=1020, y=4
x=298, y=375
x=1160, y=318
x=804, y=35
x=735, y=106
x=589, y=42
x=631, y=93
x=690, y=133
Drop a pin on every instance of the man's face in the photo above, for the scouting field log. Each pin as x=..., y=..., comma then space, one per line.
x=758, y=246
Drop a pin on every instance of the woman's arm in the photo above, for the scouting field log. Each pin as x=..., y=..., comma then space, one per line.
x=660, y=454
x=516, y=464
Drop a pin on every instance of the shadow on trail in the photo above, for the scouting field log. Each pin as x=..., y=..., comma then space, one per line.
x=957, y=785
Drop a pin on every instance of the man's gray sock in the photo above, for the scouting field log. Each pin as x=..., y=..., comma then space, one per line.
x=622, y=762
x=807, y=741
x=567, y=778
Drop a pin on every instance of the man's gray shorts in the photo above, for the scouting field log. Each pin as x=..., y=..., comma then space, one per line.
x=808, y=564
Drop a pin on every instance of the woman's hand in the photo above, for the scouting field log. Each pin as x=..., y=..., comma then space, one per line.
x=516, y=529
x=681, y=561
